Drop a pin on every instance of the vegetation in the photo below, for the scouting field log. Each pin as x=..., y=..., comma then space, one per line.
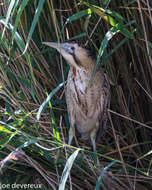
x=33, y=116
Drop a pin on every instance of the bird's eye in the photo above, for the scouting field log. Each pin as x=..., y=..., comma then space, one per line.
x=68, y=48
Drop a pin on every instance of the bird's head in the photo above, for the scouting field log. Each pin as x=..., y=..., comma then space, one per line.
x=74, y=54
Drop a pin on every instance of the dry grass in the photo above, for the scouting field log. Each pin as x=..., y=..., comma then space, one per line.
x=29, y=72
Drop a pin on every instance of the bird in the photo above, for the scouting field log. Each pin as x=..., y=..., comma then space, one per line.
x=87, y=103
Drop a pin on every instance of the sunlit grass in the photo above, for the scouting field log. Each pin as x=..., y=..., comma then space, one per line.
x=33, y=117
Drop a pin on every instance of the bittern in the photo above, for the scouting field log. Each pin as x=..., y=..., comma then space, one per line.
x=86, y=104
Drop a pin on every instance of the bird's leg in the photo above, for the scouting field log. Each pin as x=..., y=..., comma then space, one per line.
x=93, y=141
x=71, y=134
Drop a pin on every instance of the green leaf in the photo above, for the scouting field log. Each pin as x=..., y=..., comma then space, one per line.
x=27, y=143
x=34, y=22
x=18, y=15
x=78, y=36
x=13, y=129
x=145, y=155
x=78, y=15
x=97, y=187
x=17, y=37
x=103, y=46
x=67, y=169
x=20, y=44
x=115, y=49
x=112, y=17
x=10, y=8
x=45, y=103
x=126, y=32
x=103, y=15
x=3, y=129
x=5, y=140
x=55, y=130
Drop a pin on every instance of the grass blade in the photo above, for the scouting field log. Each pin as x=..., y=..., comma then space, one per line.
x=97, y=187
x=55, y=130
x=45, y=103
x=17, y=37
x=34, y=22
x=103, y=46
x=78, y=15
x=17, y=20
x=67, y=169
x=10, y=8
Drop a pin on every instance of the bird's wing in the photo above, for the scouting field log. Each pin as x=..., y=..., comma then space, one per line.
x=70, y=105
x=104, y=105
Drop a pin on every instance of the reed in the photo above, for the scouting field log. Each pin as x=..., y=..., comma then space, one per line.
x=33, y=114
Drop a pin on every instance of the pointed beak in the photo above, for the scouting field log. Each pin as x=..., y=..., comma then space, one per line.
x=66, y=50
x=57, y=46
x=60, y=47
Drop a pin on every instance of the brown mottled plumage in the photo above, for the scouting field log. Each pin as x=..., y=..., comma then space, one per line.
x=87, y=105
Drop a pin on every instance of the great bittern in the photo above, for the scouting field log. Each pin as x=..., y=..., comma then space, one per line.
x=87, y=104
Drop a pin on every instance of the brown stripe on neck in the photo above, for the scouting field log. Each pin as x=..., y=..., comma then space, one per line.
x=77, y=92
x=74, y=71
x=78, y=62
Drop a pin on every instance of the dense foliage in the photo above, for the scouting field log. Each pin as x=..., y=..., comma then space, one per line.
x=33, y=116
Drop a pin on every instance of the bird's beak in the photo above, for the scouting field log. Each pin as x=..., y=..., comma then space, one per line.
x=57, y=46
x=63, y=48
